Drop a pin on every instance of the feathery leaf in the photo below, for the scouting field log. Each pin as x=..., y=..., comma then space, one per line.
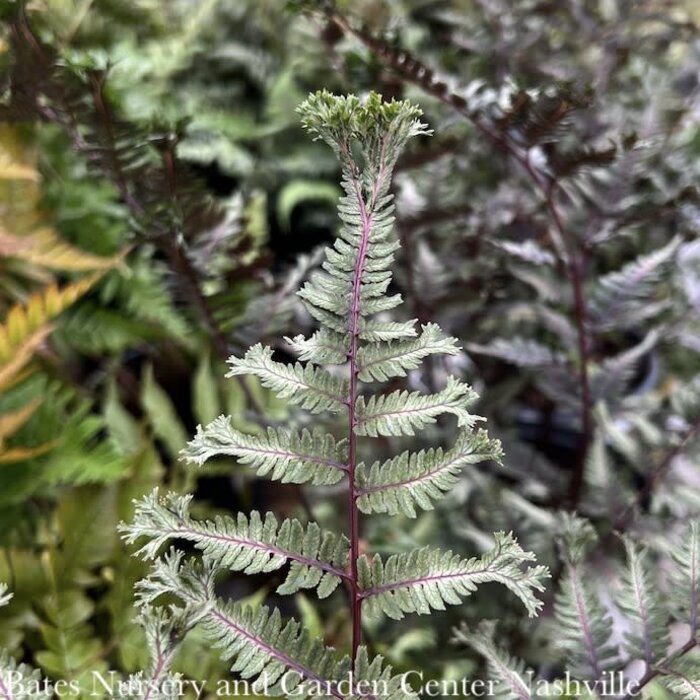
x=401, y=412
x=310, y=387
x=279, y=657
x=584, y=627
x=685, y=592
x=648, y=638
x=5, y=597
x=509, y=673
x=419, y=478
x=380, y=362
x=249, y=544
x=427, y=579
x=280, y=453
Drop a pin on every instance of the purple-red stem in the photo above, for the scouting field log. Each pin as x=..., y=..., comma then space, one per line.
x=353, y=494
x=571, y=264
x=356, y=599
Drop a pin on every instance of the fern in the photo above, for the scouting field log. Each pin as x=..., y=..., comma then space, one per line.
x=20, y=681
x=345, y=297
x=584, y=623
x=401, y=412
x=377, y=363
x=281, y=658
x=685, y=592
x=248, y=544
x=511, y=675
x=428, y=579
x=622, y=298
x=419, y=478
x=648, y=639
x=309, y=387
x=282, y=454
x=26, y=325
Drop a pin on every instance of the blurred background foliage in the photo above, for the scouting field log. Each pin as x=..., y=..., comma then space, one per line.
x=160, y=205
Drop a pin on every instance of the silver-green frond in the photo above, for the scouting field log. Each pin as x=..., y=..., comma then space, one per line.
x=417, y=479
x=624, y=298
x=403, y=412
x=685, y=591
x=264, y=648
x=378, y=331
x=584, y=627
x=429, y=579
x=280, y=453
x=682, y=678
x=281, y=657
x=323, y=347
x=522, y=352
x=165, y=629
x=395, y=359
x=310, y=387
x=20, y=681
x=640, y=598
x=511, y=676
x=5, y=595
x=377, y=131
x=251, y=544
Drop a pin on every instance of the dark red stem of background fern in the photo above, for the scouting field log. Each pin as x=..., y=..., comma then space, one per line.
x=569, y=260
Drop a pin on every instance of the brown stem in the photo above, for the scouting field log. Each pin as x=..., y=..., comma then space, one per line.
x=356, y=600
x=656, y=475
x=366, y=214
x=653, y=673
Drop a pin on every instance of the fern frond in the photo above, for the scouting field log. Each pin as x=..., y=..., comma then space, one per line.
x=685, y=592
x=401, y=412
x=427, y=579
x=250, y=544
x=310, y=387
x=26, y=325
x=624, y=298
x=284, y=659
x=395, y=359
x=521, y=352
x=419, y=478
x=5, y=597
x=11, y=422
x=281, y=454
x=45, y=248
x=20, y=681
x=376, y=331
x=323, y=347
x=381, y=129
x=584, y=627
x=510, y=674
x=281, y=658
x=648, y=638
x=614, y=374
x=165, y=629
x=682, y=678
x=528, y=250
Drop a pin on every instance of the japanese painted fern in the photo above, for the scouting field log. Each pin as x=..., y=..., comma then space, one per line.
x=652, y=595
x=341, y=369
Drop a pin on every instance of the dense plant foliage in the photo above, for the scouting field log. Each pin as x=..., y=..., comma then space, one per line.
x=161, y=205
